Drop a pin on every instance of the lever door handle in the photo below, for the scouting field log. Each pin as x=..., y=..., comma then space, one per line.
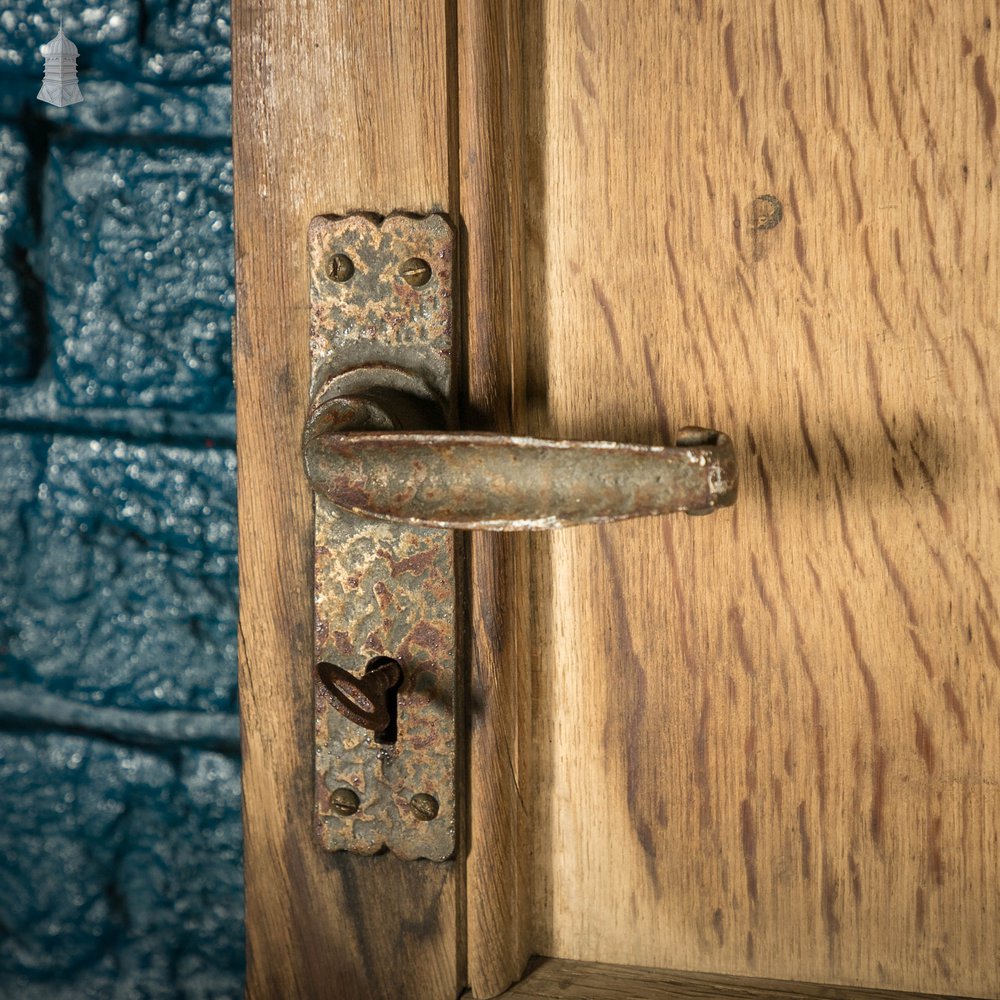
x=391, y=478
x=359, y=457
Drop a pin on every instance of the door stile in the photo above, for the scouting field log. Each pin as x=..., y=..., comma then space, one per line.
x=337, y=107
x=490, y=177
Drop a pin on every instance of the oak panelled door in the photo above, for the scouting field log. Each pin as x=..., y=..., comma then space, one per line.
x=761, y=744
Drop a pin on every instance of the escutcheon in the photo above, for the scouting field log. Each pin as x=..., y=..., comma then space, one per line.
x=381, y=301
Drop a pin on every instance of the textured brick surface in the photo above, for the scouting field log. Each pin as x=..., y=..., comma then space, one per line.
x=187, y=40
x=126, y=592
x=141, y=301
x=22, y=462
x=169, y=41
x=106, y=33
x=120, y=835
x=135, y=108
x=122, y=878
x=15, y=232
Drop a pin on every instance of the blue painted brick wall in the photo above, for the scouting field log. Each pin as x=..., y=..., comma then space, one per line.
x=120, y=838
x=137, y=272
x=15, y=236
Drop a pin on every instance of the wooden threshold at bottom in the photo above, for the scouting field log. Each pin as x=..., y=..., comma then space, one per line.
x=557, y=979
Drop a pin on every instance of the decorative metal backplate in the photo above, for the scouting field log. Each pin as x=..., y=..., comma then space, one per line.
x=384, y=589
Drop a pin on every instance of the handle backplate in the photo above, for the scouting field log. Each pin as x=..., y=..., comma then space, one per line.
x=381, y=295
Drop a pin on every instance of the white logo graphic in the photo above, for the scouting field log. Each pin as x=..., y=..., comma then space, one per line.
x=59, y=86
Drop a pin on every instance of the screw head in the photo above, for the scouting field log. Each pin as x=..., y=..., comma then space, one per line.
x=423, y=806
x=339, y=267
x=345, y=801
x=415, y=272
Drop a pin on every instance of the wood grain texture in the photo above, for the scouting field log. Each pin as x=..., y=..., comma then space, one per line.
x=554, y=979
x=489, y=131
x=768, y=742
x=338, y=106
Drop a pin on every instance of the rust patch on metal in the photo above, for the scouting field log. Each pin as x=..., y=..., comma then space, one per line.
x=495, y=482
x=384, y=589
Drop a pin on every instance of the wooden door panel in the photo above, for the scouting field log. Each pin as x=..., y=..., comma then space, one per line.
x=337, y=107
x=763, y=743
x=766, y=742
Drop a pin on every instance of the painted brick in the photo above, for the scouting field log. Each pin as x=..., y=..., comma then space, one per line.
x=139, y=275
x=16, y=327
x=15, y=217
x=120, y=834
x=35, y=404
x=127, y=108
x=127, y=595
x=106, y=32
x=122, y=878
x=187, y=40
x=22, y=464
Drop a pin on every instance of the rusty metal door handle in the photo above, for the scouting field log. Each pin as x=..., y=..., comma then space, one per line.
x=391, y=478
x=359, y=456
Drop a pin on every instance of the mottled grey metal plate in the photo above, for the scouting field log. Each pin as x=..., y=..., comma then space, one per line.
x=382, y=588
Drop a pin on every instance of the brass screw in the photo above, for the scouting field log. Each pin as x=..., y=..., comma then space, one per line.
x=424, y=806
x=345, y=801
x=340, y=267
x=415, y=272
